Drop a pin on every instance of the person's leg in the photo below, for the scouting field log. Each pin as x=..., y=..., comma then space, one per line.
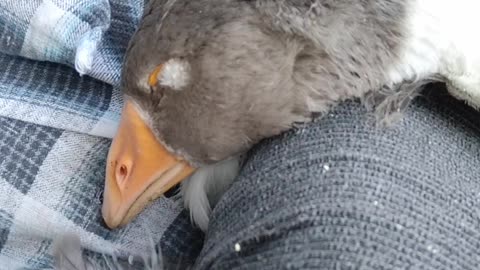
x=340, y=194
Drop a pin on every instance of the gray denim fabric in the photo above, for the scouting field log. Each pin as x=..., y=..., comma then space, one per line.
x=341, y=194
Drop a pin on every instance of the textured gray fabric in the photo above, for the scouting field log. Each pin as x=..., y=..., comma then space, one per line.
x=341, y=194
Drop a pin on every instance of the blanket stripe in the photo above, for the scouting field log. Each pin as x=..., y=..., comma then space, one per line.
x=52, y=95
x=60, y=101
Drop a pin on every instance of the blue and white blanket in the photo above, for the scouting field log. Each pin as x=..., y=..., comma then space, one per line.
x=60, y=103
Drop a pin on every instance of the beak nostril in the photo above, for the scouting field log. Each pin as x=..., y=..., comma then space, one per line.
x=123, y=170
x=121, y=173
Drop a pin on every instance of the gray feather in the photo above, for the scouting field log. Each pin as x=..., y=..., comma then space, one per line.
x=257, y=68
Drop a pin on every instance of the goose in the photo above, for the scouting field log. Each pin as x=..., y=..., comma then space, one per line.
x=204, y=81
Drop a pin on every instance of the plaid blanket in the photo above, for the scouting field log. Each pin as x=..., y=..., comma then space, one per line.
x=59, y=106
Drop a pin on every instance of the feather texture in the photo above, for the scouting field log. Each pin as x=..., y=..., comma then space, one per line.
x=204, y=188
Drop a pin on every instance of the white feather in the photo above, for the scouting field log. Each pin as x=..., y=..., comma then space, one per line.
x=205, y=187
x=443, y=39
x=175, y=74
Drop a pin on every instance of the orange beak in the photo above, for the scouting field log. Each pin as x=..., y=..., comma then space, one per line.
x=139, y=170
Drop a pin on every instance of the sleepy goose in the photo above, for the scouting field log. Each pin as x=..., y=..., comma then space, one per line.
x=205, y=80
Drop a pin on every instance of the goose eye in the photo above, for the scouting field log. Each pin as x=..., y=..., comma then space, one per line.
x=154, y=77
